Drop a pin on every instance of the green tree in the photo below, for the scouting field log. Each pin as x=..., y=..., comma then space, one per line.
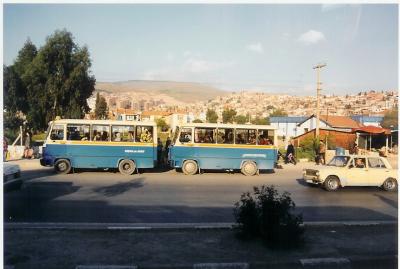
x=390, y=119
x=101, y=108
x=260, y=121
x=241, y=119
x=58, y=80
x=211, y=116
x=278, y=113
x=162, y=124
x=197, y=121
x=228, y=115
x=14, y=93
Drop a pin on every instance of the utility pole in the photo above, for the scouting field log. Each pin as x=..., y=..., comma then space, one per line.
x=318, y=67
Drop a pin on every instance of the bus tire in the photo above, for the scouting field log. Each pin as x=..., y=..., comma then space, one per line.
x=62, y=166
x=249, y=168
x=127, y=167
x=190, y=167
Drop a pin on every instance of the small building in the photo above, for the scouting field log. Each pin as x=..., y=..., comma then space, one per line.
x=287, y=126
x=368, y=120
x=339, y=123
x=127, y=114
x=339, y=138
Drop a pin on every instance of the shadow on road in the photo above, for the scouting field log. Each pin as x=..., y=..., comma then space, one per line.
x=387, y=200
x=120, y=188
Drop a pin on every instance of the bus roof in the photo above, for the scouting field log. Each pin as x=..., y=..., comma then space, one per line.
x=106, y=122
x=229, y=125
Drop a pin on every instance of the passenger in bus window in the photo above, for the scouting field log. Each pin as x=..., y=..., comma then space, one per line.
x=252, y=139
x=208, y=137
x=104, y=136
x=269, y=142
x=239, y=139
x=145, y=136
x=86, y=137
x=229, y=138
x=131, y=136
x=117, y=137
x=96, y=136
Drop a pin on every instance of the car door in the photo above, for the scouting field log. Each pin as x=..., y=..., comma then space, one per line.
x=378, y=171
x=358, y=175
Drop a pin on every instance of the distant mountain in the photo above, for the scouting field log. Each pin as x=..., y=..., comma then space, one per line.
x=186, y=92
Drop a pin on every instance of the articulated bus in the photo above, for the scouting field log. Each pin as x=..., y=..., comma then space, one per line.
x=249, y=148
x=125, y=145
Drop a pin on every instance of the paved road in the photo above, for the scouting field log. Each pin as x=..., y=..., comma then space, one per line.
x=170, y=197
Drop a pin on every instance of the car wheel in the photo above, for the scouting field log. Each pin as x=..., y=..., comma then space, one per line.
x=126, y=167
x=189, y=167
x=390, y=184
x=249, y=168
x=331, y=183
x=62, y=166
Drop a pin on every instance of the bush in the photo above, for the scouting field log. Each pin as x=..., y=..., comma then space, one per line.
x=268, y=215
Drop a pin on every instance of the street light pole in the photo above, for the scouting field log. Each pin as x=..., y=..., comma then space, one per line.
x=318, y=67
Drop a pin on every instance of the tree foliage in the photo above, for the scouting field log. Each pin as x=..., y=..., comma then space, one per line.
x=162, y=124
x=260, y=121
x=228, y=115
x=197, y=121
x=54, y=80
x=101, y=108
x=390, y=119
x=211, y=116
x=241, y=119
x=278, y=113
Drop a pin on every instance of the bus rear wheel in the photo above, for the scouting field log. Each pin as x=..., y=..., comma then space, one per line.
x=127, y=167
x=62, y=166
x=249, y=168
x=189, y=167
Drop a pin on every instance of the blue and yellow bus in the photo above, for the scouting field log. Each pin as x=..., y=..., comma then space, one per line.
x=249, y=148
x=126, y=145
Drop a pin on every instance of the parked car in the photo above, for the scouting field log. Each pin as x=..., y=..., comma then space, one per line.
x=353, y=170
x=11, y=176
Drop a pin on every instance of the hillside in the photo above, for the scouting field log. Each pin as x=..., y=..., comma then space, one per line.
x=186, y=92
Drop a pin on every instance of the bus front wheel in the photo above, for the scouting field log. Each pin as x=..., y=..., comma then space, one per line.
x=189, y=167
x=249, y=168
x=62, y=166
x=126, y=167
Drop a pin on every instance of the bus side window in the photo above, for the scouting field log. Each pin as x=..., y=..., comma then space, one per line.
x=144, y=134
x=78, y=132
x=246, y=136
x=57, y=132
x=122, y=133
x=100, y=132
x=185, y=135
x=264, y=138
x=225, y=136
x=204, y=135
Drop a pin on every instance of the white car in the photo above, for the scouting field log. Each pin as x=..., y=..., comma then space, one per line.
x=11, y=175
x=353, y=170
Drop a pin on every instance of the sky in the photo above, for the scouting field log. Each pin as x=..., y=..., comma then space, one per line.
x=263, y=47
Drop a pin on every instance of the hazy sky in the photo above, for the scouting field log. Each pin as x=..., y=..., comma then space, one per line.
x=264, y=47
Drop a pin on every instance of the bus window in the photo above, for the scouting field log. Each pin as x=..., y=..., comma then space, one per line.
x=122, y=133
x=204, y=135
x=186, y=135
x=264, y=138
x=144, y=134
x=246, y=136
x=57, y=132
x=225, y=136
x=101, y=133
x=78, y=132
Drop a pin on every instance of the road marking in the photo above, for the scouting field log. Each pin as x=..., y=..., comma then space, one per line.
x=106, y=267
x=326, y=263
x=233, y=265
x=145, y=226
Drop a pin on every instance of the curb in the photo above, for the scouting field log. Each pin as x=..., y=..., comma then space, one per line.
x=170, y=226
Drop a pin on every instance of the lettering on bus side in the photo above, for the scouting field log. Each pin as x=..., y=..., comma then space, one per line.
x=254, y=156
x=134, y=151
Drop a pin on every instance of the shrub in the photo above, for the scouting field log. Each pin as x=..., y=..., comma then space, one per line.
x=268, y=215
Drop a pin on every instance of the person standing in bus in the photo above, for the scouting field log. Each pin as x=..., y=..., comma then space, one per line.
x=167, y=145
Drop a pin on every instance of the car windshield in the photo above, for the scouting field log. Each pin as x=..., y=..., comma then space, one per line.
x=339, y=161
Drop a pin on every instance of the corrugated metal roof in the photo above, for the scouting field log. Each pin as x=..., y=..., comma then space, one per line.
x=287, y=119
x=361, y=118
